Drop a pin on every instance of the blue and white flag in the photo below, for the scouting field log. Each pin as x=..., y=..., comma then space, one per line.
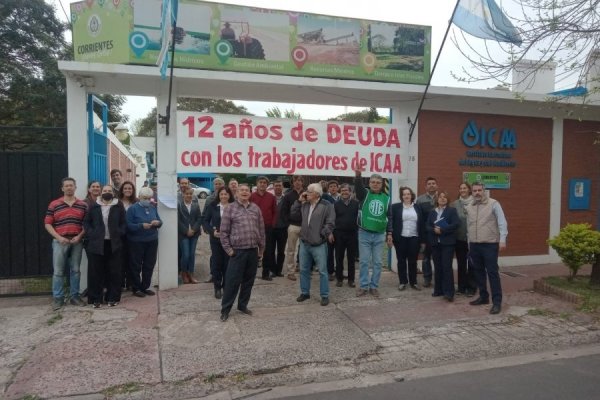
x=485, y=20
x=168, y=19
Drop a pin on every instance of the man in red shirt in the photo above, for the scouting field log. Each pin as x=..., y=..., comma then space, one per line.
x=268, y=207
x=64, y=222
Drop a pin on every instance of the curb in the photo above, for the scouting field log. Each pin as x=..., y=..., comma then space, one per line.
x=540, y=286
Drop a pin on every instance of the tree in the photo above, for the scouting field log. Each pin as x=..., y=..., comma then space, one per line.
x=147, y=125
x=32, y=89
x=560, y=31
x=368, y=115
x=115, y=104
x=275, y=112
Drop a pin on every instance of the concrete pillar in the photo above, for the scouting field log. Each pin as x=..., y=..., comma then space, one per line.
x=556, y=182
x=166, y=169
x=77, y=143
x=77, y=135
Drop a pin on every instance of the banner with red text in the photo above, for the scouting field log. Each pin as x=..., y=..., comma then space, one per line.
x=256, y=145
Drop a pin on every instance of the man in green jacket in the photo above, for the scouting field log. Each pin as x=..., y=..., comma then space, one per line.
x=374, y=218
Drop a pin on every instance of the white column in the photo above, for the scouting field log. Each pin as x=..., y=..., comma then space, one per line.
x=77, y=142
x=77, y=135
x=410, y=164
x=166, y=165
x=556, y=182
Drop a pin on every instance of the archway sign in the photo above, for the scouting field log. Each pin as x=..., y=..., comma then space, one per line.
x=234, y=52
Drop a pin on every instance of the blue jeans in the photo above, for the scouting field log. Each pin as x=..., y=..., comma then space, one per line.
x=187, y=248
x=67, y=255
x=370, y=248
x=309, y=256
x=485, y=262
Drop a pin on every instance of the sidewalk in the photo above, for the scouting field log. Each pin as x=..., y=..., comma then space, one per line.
x=174, y=346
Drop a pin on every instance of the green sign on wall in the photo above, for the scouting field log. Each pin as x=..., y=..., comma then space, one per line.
x=491, y=180
x=247, y=39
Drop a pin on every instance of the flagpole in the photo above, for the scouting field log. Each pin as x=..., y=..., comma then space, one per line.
x=413, y=124
x=171, y=75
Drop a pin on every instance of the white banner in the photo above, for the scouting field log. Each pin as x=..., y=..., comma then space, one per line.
x=239, y=143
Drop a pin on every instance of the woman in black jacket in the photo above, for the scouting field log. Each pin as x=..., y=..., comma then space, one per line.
x=104, y=226
x=212, y=224
x=189, y=220
x=407, y=236
x=442, y=224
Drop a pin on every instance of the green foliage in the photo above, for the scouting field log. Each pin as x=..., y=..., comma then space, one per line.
x=275, y=112
x=577, y=245
x=32, y=89
x=369, y=115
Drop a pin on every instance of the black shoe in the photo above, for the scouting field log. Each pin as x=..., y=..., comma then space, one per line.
x=113, y=303
x=218, y=294
x=97, y=305
x=351, y=284
x=246, y=311
x=267, y=278
x=479, y=301
x=339, y=284
x=224, y=316
x=331, y=277
x=415, y=287
x=139, y=293
x=149, y=292
x=303, y=297
x=279, y=275
x=324, y=301
x=436, y=294
x=496, y=308
x=449, y=298
x=426, y=284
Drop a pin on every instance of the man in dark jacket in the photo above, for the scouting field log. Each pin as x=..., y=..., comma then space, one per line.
x=345, y=234
x=318, y=222
x=293, y=224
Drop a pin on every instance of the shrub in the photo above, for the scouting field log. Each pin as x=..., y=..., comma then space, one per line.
x=577, y=245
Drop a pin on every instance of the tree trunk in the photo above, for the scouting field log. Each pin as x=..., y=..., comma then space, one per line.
x=595, y=276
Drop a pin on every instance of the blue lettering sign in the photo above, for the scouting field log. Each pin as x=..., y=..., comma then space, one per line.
x=472, y=136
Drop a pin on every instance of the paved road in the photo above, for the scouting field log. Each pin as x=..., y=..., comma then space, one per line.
x=575, y=378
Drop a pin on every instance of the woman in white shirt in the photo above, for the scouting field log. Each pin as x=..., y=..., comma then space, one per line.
x=407, y=236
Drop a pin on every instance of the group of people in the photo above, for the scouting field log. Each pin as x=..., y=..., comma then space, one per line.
x=316, y=228
x=119, y=232
x=473, y=227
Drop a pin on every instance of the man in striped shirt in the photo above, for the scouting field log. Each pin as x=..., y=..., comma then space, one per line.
x=64, y=222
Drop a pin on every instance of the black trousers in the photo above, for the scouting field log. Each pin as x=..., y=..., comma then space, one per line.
x=240, y=276
x=104, y=270
x=466, y=273
x=407, y=251
x=268, y=261
x=142, y=257
x=345, y=242
x=444, y=276
x=220, y=260
x=330, y=258
x=280, y=235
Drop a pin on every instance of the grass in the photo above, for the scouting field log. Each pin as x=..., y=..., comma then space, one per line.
x=125, y=388
x=54, y=319
x=590, y=296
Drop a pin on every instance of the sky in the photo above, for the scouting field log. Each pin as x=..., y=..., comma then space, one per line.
x=434, y=13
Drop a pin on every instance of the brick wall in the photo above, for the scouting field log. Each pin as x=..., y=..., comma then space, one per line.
x=120, y=161
x=581, y=159
x=527, y=202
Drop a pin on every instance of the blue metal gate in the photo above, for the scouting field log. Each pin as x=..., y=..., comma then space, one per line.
x=98, y=143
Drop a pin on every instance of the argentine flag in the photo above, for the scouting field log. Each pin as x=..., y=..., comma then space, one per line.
x=485, y=20
x=168, y=19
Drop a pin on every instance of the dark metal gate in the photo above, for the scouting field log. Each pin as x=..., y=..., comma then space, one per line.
x=32, y=163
